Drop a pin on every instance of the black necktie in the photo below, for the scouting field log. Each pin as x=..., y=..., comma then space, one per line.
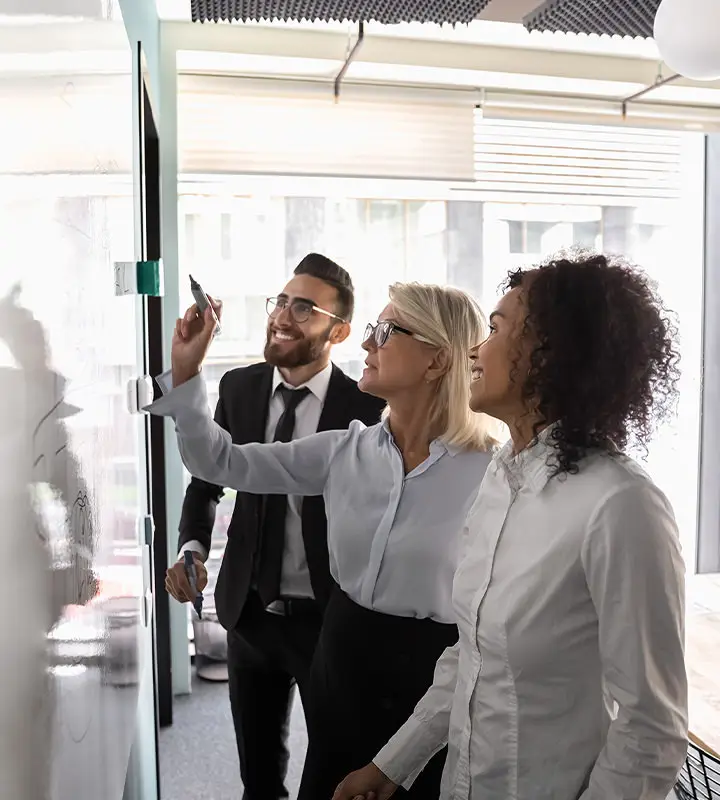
x=272, y=543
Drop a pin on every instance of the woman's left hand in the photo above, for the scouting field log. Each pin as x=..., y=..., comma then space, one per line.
x=368, y=783
x=191, y=340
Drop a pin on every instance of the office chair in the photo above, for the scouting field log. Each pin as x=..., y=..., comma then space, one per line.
x=699, y=778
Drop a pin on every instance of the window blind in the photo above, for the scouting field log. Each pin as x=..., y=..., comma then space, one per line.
x=66, y=124
x=574, y=159
x=237, y=125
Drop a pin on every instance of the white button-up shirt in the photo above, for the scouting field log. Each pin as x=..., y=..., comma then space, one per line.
x=393, y=538
x=295, y=575
x=569, y=678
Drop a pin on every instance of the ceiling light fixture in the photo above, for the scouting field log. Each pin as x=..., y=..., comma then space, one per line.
x=687, y=33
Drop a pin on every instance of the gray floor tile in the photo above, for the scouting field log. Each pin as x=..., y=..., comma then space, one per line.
x=198, y=758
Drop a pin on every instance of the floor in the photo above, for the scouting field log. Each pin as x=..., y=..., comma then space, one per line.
x=198, y=759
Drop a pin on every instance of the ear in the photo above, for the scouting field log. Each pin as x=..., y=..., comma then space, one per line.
x=439, y=365
x=340, y=332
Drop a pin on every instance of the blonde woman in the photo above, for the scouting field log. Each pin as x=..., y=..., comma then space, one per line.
x=396, y=496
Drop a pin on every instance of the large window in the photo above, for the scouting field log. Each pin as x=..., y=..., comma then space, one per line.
x=251, y=207
x=379, y=240
x=456, y=198
x=245, y=248
x=244, y=245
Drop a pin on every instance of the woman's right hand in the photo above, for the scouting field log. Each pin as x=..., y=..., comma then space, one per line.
x=191, y=340
x=368, y=783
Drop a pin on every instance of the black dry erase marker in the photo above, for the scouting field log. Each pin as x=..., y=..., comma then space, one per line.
x=191, y=574
x=201, y=299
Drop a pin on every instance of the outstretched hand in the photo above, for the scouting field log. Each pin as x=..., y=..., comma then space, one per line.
x=191, y=341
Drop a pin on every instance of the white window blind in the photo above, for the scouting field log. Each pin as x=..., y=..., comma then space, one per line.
x=65, y=124
x=572, y=159
x=236, y=125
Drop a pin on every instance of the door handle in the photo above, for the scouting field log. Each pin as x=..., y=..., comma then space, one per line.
x=148, y=536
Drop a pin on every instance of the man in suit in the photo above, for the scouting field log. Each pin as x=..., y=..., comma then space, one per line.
x=274, y=580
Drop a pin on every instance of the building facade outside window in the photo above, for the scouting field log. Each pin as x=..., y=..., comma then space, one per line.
x=244, y=246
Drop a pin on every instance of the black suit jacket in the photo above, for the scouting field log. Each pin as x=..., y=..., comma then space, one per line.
x=242, y=409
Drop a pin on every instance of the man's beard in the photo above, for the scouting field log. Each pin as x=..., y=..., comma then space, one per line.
x=304, y=351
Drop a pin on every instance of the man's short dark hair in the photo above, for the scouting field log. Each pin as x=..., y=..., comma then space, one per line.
x=327, y=271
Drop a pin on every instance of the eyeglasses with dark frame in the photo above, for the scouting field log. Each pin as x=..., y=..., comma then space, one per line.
x=300, y=309
x=381, y=332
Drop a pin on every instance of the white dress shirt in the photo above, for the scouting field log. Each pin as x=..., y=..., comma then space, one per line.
x=568, y=680
x=295, y=576
x=393, y=538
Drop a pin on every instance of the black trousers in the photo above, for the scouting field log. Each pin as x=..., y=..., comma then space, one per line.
x=369, y=672
x=268, y=656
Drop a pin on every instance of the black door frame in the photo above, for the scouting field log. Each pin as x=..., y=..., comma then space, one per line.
x=152, y=322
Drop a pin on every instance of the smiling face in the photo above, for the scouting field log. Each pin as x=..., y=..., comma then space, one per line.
x=291, y=344
x=403, y=363
x=501, y=362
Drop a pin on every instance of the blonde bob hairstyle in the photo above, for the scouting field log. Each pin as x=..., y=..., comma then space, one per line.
x=451, y=320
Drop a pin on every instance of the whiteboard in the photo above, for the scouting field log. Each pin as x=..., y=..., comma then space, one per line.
x=72, y=457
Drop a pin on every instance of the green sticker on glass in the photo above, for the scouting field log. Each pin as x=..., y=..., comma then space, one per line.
x=150, y=278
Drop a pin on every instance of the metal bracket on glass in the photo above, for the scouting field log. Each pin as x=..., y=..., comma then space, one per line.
x=139, y=394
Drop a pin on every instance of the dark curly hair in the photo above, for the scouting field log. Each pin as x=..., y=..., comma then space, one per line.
x=605, y=361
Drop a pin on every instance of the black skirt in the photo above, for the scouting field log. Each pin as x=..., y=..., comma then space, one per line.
x=369, y=672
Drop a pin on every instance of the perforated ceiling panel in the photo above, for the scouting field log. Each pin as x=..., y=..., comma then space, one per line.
x=388, y=12
x=612, y=17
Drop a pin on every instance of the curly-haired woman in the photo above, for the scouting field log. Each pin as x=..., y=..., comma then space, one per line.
x=568, y=680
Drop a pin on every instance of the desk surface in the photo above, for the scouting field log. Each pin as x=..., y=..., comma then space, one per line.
x=702, y=655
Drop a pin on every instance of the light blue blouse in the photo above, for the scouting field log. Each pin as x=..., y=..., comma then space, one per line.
x=394, y=539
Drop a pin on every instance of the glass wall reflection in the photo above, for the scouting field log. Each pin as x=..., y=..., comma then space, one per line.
x=72, y=456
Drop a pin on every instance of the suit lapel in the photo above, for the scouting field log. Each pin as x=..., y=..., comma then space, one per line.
x=258, y=406
x=334, y=411
x=254, y=422
x=254, y=418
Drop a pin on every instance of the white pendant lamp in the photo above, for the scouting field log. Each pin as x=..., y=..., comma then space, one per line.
x=687, y=33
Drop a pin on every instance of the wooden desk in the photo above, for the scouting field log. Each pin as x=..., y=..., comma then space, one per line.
x=702, y=655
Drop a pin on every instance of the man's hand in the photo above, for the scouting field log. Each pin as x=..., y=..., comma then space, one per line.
x=368, y=783
x=191, y=340
x=177, y=584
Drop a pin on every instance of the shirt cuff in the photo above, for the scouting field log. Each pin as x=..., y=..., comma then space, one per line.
x=194, y=547
x=405, y=756
x=164, y=381
x=189, y=395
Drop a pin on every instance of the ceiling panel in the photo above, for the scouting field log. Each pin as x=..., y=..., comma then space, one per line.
x=508, y=10
x=632, y=18
x=611, y=17
x=388, y=12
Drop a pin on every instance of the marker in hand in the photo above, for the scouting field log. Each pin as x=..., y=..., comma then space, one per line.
x=194, y=333
x=191, y=573
x=203, y=302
